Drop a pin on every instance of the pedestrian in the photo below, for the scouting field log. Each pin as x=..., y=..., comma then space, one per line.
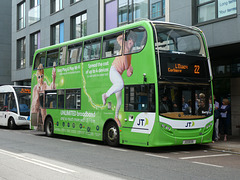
x=216, y=120
x=215, y=136
x=225, y=112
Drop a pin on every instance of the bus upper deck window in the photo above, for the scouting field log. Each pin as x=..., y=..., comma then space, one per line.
x=52, y=58
x=40, y=59
x=74, y=53
x=92, y=49
x=111, y=46
x=62, y=55
x=138, y=36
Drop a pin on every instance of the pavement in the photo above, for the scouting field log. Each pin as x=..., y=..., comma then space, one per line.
x=231, y=145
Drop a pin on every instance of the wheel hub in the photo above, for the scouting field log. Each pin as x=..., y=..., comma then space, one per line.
x=112, y=133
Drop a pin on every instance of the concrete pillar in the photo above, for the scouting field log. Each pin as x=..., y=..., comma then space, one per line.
x=235, y=106
x=167, y=10
x=101, y=15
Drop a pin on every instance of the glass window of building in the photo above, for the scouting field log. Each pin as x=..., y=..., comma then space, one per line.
x=74, y=1
x=140, y=10
x=157, y=8
x=34, y=44
x=56, y=5
x=111, y=14
x=57, y=33
x=34, y=3
x=34, y=12
x=132, y=10
x=79, y=26
x=120, y=12
x=21, y=53
x=213, y=9
x=21, y=15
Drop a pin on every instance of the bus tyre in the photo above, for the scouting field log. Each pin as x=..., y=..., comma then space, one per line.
x=49, y=127
x=11, y=123
x=111, y=134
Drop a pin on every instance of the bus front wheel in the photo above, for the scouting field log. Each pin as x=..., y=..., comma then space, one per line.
x=49, y=127
x=11, y=123
x=111, y=134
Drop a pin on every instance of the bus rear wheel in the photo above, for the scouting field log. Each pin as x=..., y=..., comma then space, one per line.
x=11, y=123
x=111, y=134
x=49, y=127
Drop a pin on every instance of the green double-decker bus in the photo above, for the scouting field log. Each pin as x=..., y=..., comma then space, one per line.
x=148, y=84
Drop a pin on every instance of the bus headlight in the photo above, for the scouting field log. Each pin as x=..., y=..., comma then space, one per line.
x=208, y=126
x=166, y=127
x=21, y=118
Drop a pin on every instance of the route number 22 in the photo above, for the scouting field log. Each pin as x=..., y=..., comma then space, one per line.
x=196, y=69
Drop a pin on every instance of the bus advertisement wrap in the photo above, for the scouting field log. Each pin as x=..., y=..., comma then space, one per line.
x=110, y=86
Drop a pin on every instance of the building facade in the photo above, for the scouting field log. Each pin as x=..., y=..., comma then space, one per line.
x=5, y=42
x=40, y=23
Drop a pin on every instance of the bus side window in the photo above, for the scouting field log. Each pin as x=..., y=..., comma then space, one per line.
x=60, y=99
x=51, y=99
x=73, y=99
x=140, y=98
x=111, y=47
x=74, y=53
x=12, y=103
x=40, y=59
x=139, y=38
x=1, y=101
x=5, y=101
x=52, y=58
x=92, y=49
x=62, y=55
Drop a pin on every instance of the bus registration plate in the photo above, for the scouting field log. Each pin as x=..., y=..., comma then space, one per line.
x=189, y=141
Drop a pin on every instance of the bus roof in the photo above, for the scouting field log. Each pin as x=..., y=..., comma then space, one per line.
x=145, y=23
x=9, y=88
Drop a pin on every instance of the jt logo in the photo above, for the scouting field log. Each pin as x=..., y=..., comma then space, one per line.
x=188, y=124
x=140, y=122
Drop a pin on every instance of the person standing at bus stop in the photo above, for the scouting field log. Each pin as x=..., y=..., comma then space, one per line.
x=225, y=112
x=39, y=88
x=119, y=65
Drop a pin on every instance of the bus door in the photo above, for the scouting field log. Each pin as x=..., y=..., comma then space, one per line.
x=139, y=116
x=7, y=105
x=3, y=108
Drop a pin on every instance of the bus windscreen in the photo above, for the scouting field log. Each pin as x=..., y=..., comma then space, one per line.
x=24, y=97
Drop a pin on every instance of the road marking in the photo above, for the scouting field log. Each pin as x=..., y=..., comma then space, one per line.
x=207, y=156
x=42, y=165
x=53, y=165
x=116, y=149
x=37, y=162
x=89, y=144
x=206, y=164
x=63, y=140
x=153, y=155
x=185, y=152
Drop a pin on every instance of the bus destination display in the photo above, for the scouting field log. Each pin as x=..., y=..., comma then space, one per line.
x=183, y=68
